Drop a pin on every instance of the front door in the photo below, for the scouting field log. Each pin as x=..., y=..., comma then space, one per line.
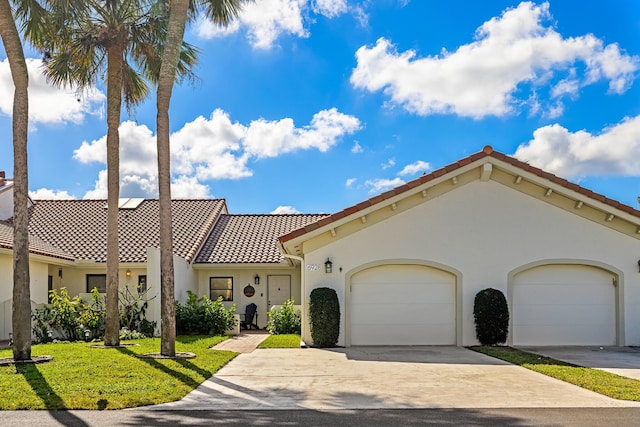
x=278, y=289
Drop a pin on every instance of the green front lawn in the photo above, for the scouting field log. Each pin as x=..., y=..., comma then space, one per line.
x=80, y=377
x=602, y=382
x=281, y=341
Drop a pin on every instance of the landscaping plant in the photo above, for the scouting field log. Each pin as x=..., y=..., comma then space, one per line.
x=203, y=316
x=324, y=314
x=285, y=320
x=491, y=315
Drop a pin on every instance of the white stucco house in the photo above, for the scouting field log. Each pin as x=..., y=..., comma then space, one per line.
x=406, y=264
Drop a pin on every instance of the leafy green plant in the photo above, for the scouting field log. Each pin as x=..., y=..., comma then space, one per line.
x=41, y=324
x=69, y=317
x=285, y=320
x=133, y=310
x=491, y=315
x=203, y=316
x=128, y=334
x=324, y=314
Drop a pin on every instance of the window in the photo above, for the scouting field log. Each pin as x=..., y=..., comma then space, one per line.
x=142, y=284
x=221, y=286
x=97, y=281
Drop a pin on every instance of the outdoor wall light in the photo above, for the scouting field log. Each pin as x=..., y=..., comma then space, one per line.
x=60, y=273
x=128, y=274
x=256, y=280
x=328, y=266
x=639, y=266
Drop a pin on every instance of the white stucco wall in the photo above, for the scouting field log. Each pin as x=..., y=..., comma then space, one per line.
x=38, y=272
x=483, y=231
x=185, y=278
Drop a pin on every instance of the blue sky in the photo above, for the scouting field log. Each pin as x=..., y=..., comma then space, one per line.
x=313, y=106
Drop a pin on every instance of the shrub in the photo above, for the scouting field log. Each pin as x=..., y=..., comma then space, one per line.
x=70, y=317
x=491, y=315
x=133, y=310
x=285, y=320
x=324, y=314
x=128, y=334
x=203, y=316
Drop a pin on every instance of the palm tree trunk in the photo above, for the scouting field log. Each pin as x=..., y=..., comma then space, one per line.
x=21, y=313
x=114, y=106
x=168, y=70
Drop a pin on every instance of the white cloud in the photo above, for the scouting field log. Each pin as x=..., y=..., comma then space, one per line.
x=213, y=148
x=415, y=168
x=614, y=151
x=380, y=185
x=390, y=163
x=349, y=182
x=357, y=148
x=280, y=210
x=272, y=138
x=48, y=104
x=485, y=76
x=48, y=194
x=267, y=20
x=264, y=20
x=330, y=8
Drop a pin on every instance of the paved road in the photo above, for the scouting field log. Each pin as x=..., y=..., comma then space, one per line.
x=619, y=417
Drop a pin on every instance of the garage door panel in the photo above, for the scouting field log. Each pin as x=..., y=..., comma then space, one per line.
x=552, y=315
x=564, y=293
x=402, y=305
x=564, y=305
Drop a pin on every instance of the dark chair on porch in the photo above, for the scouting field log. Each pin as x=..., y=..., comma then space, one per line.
x=250, y=317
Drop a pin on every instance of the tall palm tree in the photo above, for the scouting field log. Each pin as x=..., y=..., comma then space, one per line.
x=221, y=12
x=21, y=313
x=76, y=37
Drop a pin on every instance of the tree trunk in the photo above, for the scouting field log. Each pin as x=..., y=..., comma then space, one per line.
x=21, y=313
x=114, y=106
x=168, y=70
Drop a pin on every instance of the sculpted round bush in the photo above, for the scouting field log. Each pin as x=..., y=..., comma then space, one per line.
x=491, y=314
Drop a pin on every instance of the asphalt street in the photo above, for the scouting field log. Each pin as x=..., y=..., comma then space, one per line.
x=357, y=418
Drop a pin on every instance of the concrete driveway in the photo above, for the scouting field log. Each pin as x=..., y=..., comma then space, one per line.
x=623, y=361
x=380, y=378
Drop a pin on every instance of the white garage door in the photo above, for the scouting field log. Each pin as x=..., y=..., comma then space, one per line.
x=403, y=305
x=564, y=305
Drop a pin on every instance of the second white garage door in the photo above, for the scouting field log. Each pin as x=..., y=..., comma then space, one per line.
x=564, y=305
x=403, y=305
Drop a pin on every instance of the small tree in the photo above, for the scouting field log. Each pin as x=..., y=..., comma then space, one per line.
x=491, y=315
x=324, y=313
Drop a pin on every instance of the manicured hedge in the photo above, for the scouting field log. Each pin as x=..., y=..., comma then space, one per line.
x=324, y=313
x=491, y=314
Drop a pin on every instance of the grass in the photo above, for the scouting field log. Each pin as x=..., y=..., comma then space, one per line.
x=281, y=341
x=80, y=377
x=602, y=382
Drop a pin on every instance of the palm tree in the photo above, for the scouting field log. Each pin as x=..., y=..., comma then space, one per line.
x=76, y=37
x=221, y=12
x=21, y=313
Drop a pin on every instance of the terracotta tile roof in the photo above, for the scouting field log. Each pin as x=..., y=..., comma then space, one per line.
x=79, y=227
x=36, y=246
x=487, y=151
x=239, y=239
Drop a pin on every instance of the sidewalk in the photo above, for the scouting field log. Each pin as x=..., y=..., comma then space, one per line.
x=246, y=342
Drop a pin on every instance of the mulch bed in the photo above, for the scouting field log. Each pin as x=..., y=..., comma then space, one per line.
x=112, y=346
x=179, y=355
x=34, y=359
